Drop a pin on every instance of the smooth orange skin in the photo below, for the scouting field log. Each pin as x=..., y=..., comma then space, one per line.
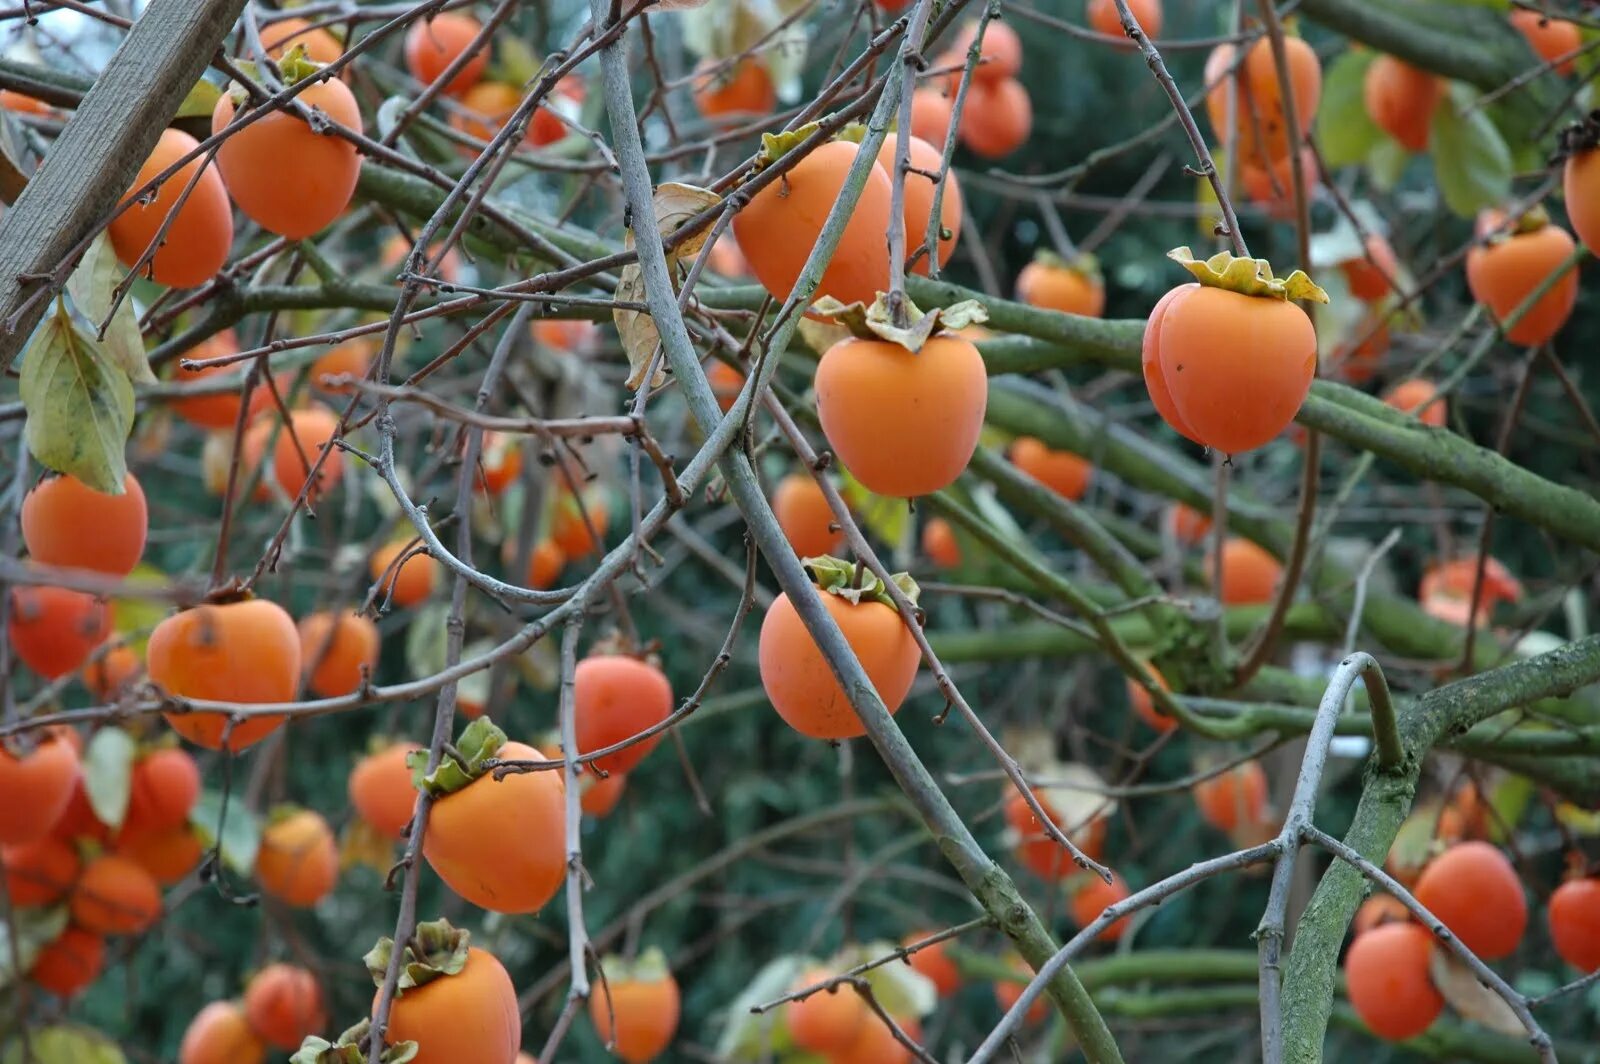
x=36, y=789
x=353, y=357
x=197, y=243
x=114, y=673
x=381, y=791
x=803, y=513
x=1103, y=17
x=1474, y=891
x=780, y=226
x=1574, y=916
x=997, y=118
x=1501, y=275
x=874, y=1043
x=216, y=411
x=286, y=178
x=545, y=563
x=168, y=855
x=645, y=1016
x=1061, y=288
x=1237, y=797
x=1386, y=973
x=828, y=1020
x=726, y=382
x=1273, y=187
x=115, y=896
x=1236, y=367
x=78, y=821
x=1249, y=574
x=1155, y=380
x=1093, y=898
x=216, y=456
x=334, y=649
x=397, y=247
x=1061, y=471
x=298, y=862
x=1360, y=364
x=934, y=963
x=469, y=1016
x=572, y=335
x=283, y=1004
x=239, y=652
x=919, y=193
x=321, y=46
x=1446, y=592
x=21, y=103
x=1580, y=184
x=940, y=545
x=1368, y=275
x=53, y=631
x=1186, y=524
x=165, y=786
x=502, y=846
x=931, y=111
x=799, y=683
x=546, y=127
x=616, y=698
x=220, y=1034
x=490, y=104
x=572, y=533
x=1376, y=911
x=295, y=453
x=598, y=796
x=1144, y=707
x=1260, y=117
x=1400, y=99
x=1042, y=855
x=67, y=966
x=1002, y=51
x=903, y=424
x=745, y=89
x=41, y=872
x=65, y=522
x=414, y=581
x=500, y=459
x=1006, y=993
x=1550, y=38
x=433, y=44
x=1416, y=394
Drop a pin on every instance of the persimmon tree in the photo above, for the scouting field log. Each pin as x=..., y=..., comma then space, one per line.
x=768, y=530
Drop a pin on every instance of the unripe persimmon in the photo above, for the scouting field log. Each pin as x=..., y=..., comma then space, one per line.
x=743, y=89
x=1144, y=706
x=336, y=651
x=164, y=788
x=997, y=117
x=920, y=441
x=925, y=159
x=1401, y=99
x=940, y=545
x=468, y=1012
x=220, y=1034
x=933, y=963
x=36, y=786
x=1233, y=799
x=1370, y=275
x=1061, y=471
x=825, y=1021
x=381, y=790
x=41, y=872
x=1505, y=272
x=283, y=1005
x=804, y=515
x=779, y=226
x=1094, y=897
x=282, y=36
x=1386, y=974
x=236, y=652
x=1474, y=891
x=1007, y=992
x=408, y=585
x=68, y=965
x=287, y=178
x=432, y=44
x=1103, y=17
x=637, y=1014
x=298, y=860
x=1250, y=575
x=1420, y=398
x=545, y=563
x=931, y=111
x=115, y=896
x=1574, y=916
x=616, y=697
x=53, y=631
x=1054, y=284
x=1550, y=38
x=196, y=243
x=220, y=411
x=113, y=673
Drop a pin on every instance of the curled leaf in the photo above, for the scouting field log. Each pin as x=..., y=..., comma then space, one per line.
x=640, y=337
x=434, y=951
x=675, y=205
x=91, y=287
x=79, y=405
x=877, y=323
x=350, y=1049
x=1250, y=277
x=775, y=146
x=1468, y=997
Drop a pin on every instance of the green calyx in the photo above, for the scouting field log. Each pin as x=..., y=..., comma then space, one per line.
x=649, y=967
x=435, y=950
x=350, y=1049
x=835, y=576
x=1082, y=263
x=877, y=323
x=295, y=67
x=775, y=146
x=1250, y=277
x=481, y=741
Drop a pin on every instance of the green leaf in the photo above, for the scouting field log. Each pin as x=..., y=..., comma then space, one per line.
x=108, y=774
x=518, y=63
x=884, y=517
x=1386, y=163
x=748, y=1036
x=425, y=639
x=241, y=832
x=1470, y=158
x=90, y=288
x=35, y=928
x=1346, y=134
x=65, y=1045
x=80, y=407
x=201, y=101
x=899, y=988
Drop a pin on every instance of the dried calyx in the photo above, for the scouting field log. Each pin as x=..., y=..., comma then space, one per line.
x=350, y=1049
x=856, y=583
x=435, y=950
x=1250, y=277
x=877, y=322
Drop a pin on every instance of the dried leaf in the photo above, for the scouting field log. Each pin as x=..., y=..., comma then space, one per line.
x=1470, y=998
x=821, y=335
x=675, y=204
x=201, y=101
x=637, y=328
x=80, y=407
x=91, y=287
x=108, y=774
x=65, y=1045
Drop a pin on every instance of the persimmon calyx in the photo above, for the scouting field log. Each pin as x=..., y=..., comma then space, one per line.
x=1083, y=263
x=775, y=146
x=435, y=950
x=351, y=1049
x=1579, y=137
x=295, y=66
x=479, y=742
x=877, y=323
x=1250, y=277
x=650, y=967
x=835, y=576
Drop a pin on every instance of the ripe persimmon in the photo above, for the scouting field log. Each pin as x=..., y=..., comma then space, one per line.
x=931, y=111
x=1185, y=524
x=779, y=226
x=616, y=697
x=1506, y=271
x=743, y=89
x=1094, y=897
x=115, y=896
x=1260, y=118
x=460, y=1005
x=1473, y=890
x=335, y=650
x=69, y=964
x=283, y=1005
x=410, y=583
x=1550, y=38
x=572, y=335
x=353, y=358
x=77, y=821
x=500, y=461
x=1272, y=186
x=1370, y=274
x=1378, y=910
x=803, y=513
x=165, y=784
x=220, y=1034
x=920, y=441
x=934, y=963
x=875, y=1043
x=545, y=563
x=579, y=530
x=432, y=44
x=1249, y=574
x=287, y=178
x=65, y=522
x=1061, y=471
x=997, y=117
x=1043, y=856
x=168, y=855
x=282, y=36
x=309, y=433
x=1386, y=974
x=726, y=382
x=797, y=679
x=1103, y=17
x=220, y=411
x=381, y=790
x=1574, y=916
x=485, y=108
x=1419, y=397
x=1001, y=56
x=23, y=104
x=1051, y=282
x=1401, y=99
x=940, y=545
x=566, y=99
x=196, y=243
x=637, y=1014
x=236, y=652
x=825, y=1021
x=40, y=872
x=53, y=631
x=1580, y=187
x=113, y=672
x=1233, y=799
x=1144, y=706
x=298, y=860
x=1006, y=991
x=925, y=159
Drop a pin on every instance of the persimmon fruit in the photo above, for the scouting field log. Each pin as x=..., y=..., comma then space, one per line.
x=220, y=1034
x=1103, y=17
x=168, y=855
x=1062, y=472
x=432, y=44
x=997, y=117
x=1369, y=275
x=36, y=788
x=309, y=433
x=579, y=530
x=113, y=673
x=41, y=872
x=197, y=241
x=1001, y=52
x=1094, y=897
x=1386, y=974
x=1044, y=856
x=298, y=860
x=220, y=411
x=616, y=697
x=1580, y=186
x=282, y=36
x=1401, y=99
x=1250, y=575
x=726, y=382
x=1144, y=706
x=381, y=790
x=412, y=582
x=1054, y=284
x=1474, y=891
x=115, y=896
x=335, y=650
x=940, y=545
x=1233, y=799
x=283, y=1005
x=918, y=196
x=353, y=358
x=53, y=631
x=804, y=515
x=1260, y=118
x=500, y=462
x=744, y=89
x=164, y=787
x=1007, y=992
x=825, y=1021
x=637, y=1014
x=68, y=965
x=545, y=563
x=1574, y=916
x=931, y=111
x=1378, y=910
x=1420, y=398
x=1506, y=271
x=1185, y=524
x=467, y=1012
x=934, y=963
x=1550, y=38
x=244, y=651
